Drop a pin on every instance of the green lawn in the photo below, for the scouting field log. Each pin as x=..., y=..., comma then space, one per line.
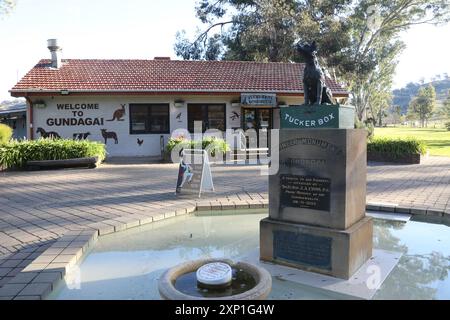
x=437, y=140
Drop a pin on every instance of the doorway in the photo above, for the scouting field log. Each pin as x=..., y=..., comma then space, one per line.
x=259, y=119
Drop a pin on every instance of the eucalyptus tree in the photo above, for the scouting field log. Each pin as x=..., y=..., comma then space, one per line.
x=358, y=39
x=424, y=104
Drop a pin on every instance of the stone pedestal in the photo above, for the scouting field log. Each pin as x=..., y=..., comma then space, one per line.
x=334, y=252
x=317, y=203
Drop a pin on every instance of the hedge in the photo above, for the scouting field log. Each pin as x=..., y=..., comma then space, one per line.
x=211, y=143
x=397, y=147
x=15, y=154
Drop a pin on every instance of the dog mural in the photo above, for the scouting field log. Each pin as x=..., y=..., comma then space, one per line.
x=109, y=135
x=81, y=136
x=314, y=87
x=118, y=114
x=48, y=134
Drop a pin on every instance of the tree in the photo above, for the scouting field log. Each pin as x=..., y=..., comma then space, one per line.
x=424, y=103
x=411, y=117
x=396, y=112
x=374, y=95
x=258, y=30
x=354, y=36
x=446, y=107
x=375, y=26
x=6, y=6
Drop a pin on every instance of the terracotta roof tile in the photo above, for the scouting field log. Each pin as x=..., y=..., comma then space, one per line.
x=166, y=75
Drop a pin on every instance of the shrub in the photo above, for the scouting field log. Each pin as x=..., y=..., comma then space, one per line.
x=447, y=125
x=367, y=126
x=211, y=143
x=173, y=142
x=5, y=133
x=397, y=147
x=15, y=154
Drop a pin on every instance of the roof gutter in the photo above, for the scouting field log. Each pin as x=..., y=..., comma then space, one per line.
x=13, y=111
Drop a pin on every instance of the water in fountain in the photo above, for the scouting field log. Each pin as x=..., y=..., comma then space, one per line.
x=241, y=282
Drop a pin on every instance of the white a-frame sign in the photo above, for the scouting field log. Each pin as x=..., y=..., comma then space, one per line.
x=194, y=173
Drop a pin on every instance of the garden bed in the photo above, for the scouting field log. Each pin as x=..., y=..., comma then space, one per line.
x=210, y=144
x=407, y=151
x=413, y=158
x=66, y=163
x=47, y=153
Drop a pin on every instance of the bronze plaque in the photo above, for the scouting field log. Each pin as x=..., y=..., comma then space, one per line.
x=302, y=248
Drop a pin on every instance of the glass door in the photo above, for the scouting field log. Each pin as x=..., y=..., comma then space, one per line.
x=249, y=119
x=265, y=124
x=259, y=119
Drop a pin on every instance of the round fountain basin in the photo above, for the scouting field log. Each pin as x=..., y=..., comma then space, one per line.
x=248, y=282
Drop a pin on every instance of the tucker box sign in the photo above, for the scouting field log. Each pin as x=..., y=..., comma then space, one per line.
x=317, y=116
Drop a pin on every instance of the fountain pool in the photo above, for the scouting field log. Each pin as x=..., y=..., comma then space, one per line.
x=128, y=264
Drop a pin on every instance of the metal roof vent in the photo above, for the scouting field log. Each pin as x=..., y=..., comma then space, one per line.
x=55, y=50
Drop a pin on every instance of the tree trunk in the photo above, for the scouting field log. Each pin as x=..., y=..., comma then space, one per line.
x=359, y=106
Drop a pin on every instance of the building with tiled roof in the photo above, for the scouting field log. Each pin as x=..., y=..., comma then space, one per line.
x=135, y=105
x=162, y=76
x=13, y=114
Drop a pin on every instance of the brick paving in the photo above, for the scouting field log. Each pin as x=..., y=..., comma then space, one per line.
x=37, y=208
x=417, y=186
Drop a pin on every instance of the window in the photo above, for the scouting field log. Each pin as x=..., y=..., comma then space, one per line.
x=149, y=118
x=211, y=115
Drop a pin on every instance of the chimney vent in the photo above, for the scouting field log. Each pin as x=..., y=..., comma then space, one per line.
x=55, y=50
x=162, y=58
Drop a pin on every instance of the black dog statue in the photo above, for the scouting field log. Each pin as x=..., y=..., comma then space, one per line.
x=316, y=91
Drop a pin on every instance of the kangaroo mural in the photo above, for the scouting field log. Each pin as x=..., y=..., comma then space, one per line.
x=118, y=114
x=48, y=134
x=109, y=135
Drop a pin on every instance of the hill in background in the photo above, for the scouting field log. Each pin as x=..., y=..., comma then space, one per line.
x=403, y=96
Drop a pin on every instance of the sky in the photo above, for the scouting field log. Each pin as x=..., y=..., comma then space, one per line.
x=144, y=29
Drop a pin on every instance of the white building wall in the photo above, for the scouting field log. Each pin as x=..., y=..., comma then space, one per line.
x=233, y=116
x=127, y=144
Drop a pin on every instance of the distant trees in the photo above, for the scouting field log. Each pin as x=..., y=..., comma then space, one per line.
x=446, y=107
x=396, y=112
x=403, y=96
x=423, y=104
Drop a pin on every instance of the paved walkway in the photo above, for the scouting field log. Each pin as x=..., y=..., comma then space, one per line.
x=36, y=208
x=417, y=186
